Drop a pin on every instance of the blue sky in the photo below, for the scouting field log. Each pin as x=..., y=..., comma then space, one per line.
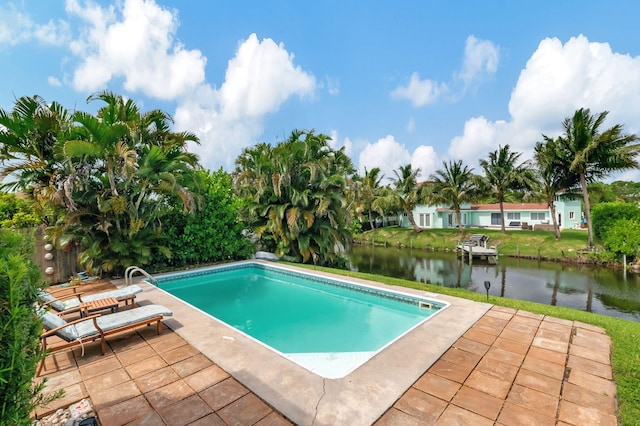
x=393, y=82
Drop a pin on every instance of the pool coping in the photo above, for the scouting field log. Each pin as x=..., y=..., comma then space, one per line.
x=359, y=398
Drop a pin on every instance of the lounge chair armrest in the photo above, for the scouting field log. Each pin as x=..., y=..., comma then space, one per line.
x=95, y=324
x=54, y=330
x=69, y=290
x=68, y=297
x=69, y=311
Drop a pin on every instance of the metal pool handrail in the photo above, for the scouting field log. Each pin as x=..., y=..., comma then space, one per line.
x=128, y=275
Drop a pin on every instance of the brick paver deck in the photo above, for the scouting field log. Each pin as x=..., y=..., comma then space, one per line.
x=150, y=379
x=515, y=368
x=510, y=368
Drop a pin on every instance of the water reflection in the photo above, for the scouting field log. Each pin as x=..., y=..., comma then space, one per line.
x=598, y=290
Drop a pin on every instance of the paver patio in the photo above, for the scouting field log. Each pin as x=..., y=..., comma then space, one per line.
x=509, y=368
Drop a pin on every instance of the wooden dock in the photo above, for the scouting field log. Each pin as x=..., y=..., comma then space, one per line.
x=479, y=251
x=476, y=248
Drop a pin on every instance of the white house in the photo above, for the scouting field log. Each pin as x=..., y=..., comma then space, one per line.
x=517, y=215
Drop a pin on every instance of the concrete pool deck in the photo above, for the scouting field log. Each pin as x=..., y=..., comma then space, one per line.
x=307, y=398
x=485, y=365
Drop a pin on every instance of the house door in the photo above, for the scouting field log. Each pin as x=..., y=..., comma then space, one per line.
x=450, y=220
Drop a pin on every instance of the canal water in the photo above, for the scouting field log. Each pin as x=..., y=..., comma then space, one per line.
x=599, y=290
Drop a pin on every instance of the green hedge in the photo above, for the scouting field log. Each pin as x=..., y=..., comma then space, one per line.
x=20, y=330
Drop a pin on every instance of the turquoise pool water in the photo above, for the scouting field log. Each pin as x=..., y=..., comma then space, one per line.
x=310, y=319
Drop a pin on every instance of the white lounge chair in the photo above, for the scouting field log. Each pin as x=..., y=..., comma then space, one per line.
x=60, y=304
x=96, y=327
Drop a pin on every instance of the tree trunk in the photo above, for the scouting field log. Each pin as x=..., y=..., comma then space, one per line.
x=556, y=228
x=413, y=221
x=371, y=221
x=112, y=182
x=587, y=208
x=504, y=231
x=459, y=220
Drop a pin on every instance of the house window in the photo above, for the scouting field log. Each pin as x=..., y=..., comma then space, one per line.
x=572, y=215
x=425, y=220
x=495, y=219
x=464, y=219
x=538, y=215
x=513, y=216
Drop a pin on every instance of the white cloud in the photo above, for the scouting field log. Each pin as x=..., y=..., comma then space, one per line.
x=134, y=40
x=425, y=159
x=386, y=154
x=479, y=136
x=334, y=143
x=52, y=33
x=557, y=80
x=481, y=57
x=411, y=125
x=54, y=81
x=333, y=86
x=420, y=92
x=221, y=139
x=17, y=27
x=258, y=80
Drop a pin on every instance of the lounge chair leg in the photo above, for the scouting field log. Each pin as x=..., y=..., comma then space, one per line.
x=44, y=350
x=103, y=345
x=158, y=325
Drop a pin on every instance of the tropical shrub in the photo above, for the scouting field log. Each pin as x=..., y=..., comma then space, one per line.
x=623, y=237
x=210, y=234
x=604, y=215
x=16, y=212
x=20, y=330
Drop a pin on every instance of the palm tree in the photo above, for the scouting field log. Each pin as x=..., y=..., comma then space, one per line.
x=370, y=191
x=128, y=168
x=296, y=196
x=554, y=176
x=31, y=136
x=503, y=174
x=114, y=174
x=453, y=186
x=108, y=139
x=594, y=154
x=407, y=192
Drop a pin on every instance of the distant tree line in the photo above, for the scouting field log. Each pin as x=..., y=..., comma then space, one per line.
x=573, y=163
x=123, y=186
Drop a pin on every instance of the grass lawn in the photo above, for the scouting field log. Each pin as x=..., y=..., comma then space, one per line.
x=514, y=242
x=625, y=335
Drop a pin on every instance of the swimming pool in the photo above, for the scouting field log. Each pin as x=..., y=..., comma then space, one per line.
x=327, y=326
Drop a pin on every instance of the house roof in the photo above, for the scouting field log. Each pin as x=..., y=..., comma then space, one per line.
x=506, y=206
x=511, y=206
